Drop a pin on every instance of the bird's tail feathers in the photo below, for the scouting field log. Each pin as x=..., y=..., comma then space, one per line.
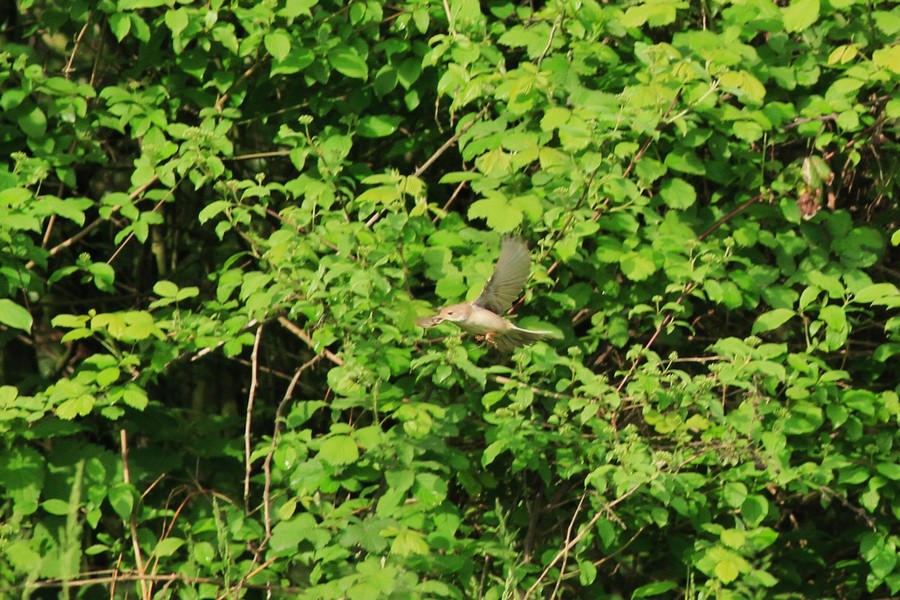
x=518, y=336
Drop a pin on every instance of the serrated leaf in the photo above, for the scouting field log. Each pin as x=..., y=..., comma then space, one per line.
x=409, y=542
x=639, y=265
x=339, y=450
x=498, y=212
x=135, y=397
x=678, y=193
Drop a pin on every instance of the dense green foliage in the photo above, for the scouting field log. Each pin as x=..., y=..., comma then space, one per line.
x=219, y=221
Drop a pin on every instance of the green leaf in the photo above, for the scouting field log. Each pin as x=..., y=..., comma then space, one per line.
x=135, y=397
x=834, y=317
x=33, y=123
x=638, y=265
x=377, y=126
x=498, y=212
x=168, y=546
x=734, y=493
x=176, y=20
x=804, y=418
x=287, y=535
x=120, y=25
x=339, y=449
x=107, y=377
x=657, y=588
x=165, y=289
x=733, y=538
x=347, y=61
x=800, y=15
x=278, y=44
x=729, y=568
x=678, y=193
x=121, y=497
x=685, y=161
x=754, y=510
x=772, y=320
x=55, y=506
x=889, y=470
x=747, y=87
x=78, y=406
x=888, y=58
x=126, y=5
x=15, y=196
x=103, y=276
x=15, y=316
x=885, y=294
x=409, y=542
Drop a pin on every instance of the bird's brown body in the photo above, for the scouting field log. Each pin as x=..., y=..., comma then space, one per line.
x=482, y=317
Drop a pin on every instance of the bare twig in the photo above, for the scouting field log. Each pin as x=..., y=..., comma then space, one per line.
x=573, y=541
x=308, y=340
x=93, y=225
x=459, y=188
x=146, y=587
x=267, y=464
x=569, y=530
x=67, y=70
x=452, y=141
x=248, y=421
x=130, y=236
x=437, y=154
x=553, y=31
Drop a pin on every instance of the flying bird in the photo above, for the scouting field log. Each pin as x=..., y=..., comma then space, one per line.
x=482, y=317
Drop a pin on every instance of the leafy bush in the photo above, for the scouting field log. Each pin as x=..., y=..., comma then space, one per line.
x=220, y=221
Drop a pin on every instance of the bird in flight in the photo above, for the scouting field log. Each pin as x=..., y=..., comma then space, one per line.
x=482, y=317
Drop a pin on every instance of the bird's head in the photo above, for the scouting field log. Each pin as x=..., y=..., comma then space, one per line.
x=455, y=313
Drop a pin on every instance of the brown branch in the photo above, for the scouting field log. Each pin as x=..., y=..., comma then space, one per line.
x=437, y=154
x=267, y=471
x=91, y=226
x=68, y=70
x=459, y=188
x=131, y=235
x=573, y=541
x=146, y=588
x=248, y=421
x=546, y=49
x=569, y=530
x=309, y=342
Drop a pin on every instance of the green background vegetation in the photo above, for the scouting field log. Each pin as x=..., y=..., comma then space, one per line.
x=219, y=221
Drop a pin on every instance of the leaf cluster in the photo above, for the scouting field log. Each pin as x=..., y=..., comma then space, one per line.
x=220, y=221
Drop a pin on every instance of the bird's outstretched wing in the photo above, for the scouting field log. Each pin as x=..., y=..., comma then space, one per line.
x=509, y=276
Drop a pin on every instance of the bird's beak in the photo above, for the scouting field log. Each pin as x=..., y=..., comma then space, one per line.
x=429, y=321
